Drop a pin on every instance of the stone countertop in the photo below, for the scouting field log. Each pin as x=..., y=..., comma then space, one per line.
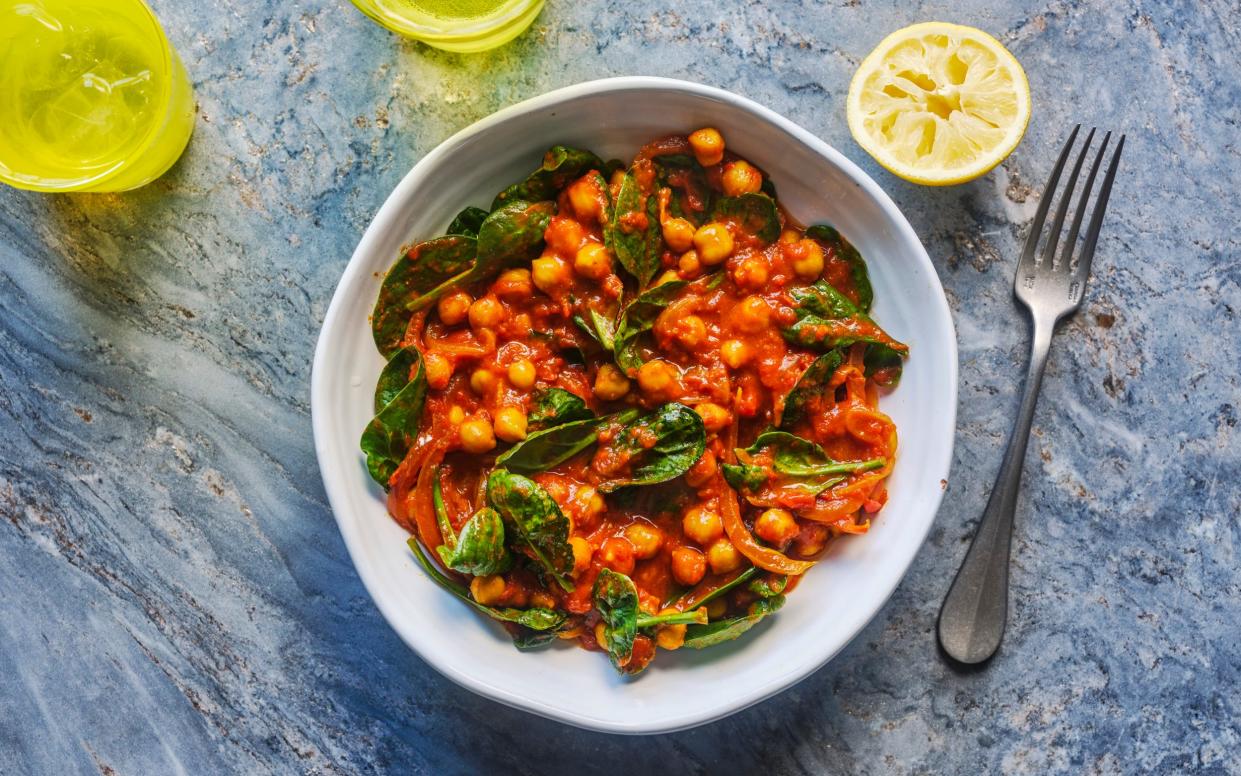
x=174, y=594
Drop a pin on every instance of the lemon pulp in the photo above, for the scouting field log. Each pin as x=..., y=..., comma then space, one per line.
x=939, y=103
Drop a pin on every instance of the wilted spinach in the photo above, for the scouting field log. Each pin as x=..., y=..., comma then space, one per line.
x=398, y=411
x=554, y=406
x=638, y=317
x=829, y=237
x=538, y=619
x=553, y=446
x=534, y=520
x=811, y=385
x=768, y=585
x=468, y=221
x=754, y=212
x=634, y=232
x=687, y=182
x=561, y=165
x=423, y=268
x=826, y=319
x=659, y=446
x=616, y=598
x=798, y=457
x=479, y=550
x=883, y=365
x=702, y=636
x=703, y=594
x=744, y=477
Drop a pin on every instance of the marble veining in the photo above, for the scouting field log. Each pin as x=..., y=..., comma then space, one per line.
x=174, y=595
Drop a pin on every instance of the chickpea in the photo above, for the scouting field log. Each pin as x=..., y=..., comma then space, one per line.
x=666, y=277
x=646, y=540
x=723, y=557
x=582, y=552
x=564, y=236
x=702, y=525
x=736, y=353
x=752, y=314
x=510, y=424
x=550, y=274
x=714, y=243
x=808, y=260
x=542, y=600
x=593, y=505
x=707, y=145
x=488, y=590
x=688, y=265
x=438, y=369
x=600, y=635
x=810, y=540
x=688, y=565
x=584, y=198
x=751, y=274
x=513, y=285
x=670, y=636
x=789, y=235
x=617, y=554
x=702, y=471
x=593, y=261
x=482, y=380
x=679, y=234
x=453, y=307
x=776, y=527
x=521, y=374
x=691, y=332
x=657, y=378
x=610, y=383
x=741, y=177
x=714, y=417
x=486, y=313
x=455, y=415
x=476, y=435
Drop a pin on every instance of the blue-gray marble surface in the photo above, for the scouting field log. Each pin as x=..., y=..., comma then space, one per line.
x=174, y=594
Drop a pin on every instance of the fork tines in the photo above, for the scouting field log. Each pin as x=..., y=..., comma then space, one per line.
x=1078, y=265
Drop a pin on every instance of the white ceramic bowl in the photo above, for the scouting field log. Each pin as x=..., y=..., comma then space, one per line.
x=839, y=596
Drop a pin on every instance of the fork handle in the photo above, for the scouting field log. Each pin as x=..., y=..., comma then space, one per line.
x=971, y=621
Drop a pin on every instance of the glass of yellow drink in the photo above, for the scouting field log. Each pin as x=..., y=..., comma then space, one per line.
x=455, y=25
x=92, y=96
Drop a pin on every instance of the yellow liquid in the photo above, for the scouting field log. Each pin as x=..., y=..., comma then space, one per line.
x=94, y=97
x=455, y=25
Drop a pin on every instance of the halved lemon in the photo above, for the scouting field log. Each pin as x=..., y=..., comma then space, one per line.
x=939, y=103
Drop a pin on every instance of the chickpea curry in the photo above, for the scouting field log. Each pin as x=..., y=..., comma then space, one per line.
x=629, y=406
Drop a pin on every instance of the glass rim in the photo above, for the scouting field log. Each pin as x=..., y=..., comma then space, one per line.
x=148, y=137
x=508, y=12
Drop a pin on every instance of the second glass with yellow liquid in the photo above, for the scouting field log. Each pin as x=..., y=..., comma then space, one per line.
x=455, y=25
x=93, y=96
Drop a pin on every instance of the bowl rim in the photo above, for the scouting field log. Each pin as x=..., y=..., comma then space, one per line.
x=385, y=219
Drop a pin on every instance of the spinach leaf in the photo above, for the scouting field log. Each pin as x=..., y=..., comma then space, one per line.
x=638, y=317
x=830, y=238
x=883, y=365
x=468, y=222
x=553, y=446
x=535, y=521
x=811, y=385
x=634, y=232
x=554, y=406
x=800, y=457
x=659, y=446
x=703, y=594
x=398, y=412
x=423, y=268
x=538, y=619
x=441, y=512
x=753, y=212
x=826, y=319
x=513, y=234
x=768, y=585
x=703, y=636
x=479, y=550
x=561, y=165
x=616, y=598
x=687, y=181
x=526, y=639
x=744, y=477
x=598, y=327
x=693, y=617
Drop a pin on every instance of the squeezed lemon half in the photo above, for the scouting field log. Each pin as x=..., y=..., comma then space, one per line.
x=939, y=103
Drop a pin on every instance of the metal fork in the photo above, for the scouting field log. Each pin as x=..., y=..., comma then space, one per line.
x=971, y=621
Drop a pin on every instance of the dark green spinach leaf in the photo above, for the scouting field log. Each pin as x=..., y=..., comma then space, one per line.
x=423, y=268
x=634, y=232
x=561, y=166
x=659, y=446
x=526, y=639
x=687, y=181
x=554, y=406
x=755, y=213
x=638, y=317
x=387, y=437
x=703, y=636
x=553, y=446
x=826, y=319
x=830, y=238
x=744, y=477
x=616, y=598
x=537, y=619
x=534, y=520
x=468, y=222
x=479, y=550
x=812, y=384
x=883, y=365
x=798, y=457
x=704, y=594
x=768, y=585
x=513, y=234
